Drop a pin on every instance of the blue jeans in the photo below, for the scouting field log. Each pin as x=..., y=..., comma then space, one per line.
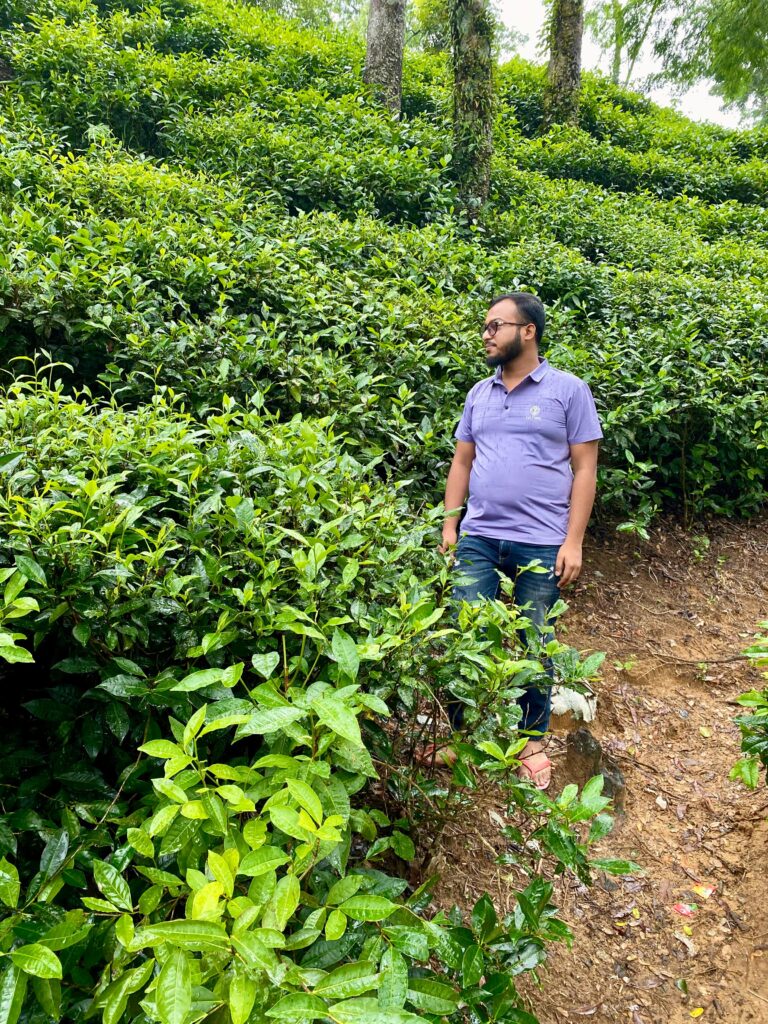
x=477, y=561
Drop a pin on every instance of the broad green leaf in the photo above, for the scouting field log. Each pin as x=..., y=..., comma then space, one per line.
x=286, y=900
x=31, y=569
x=349, y=980
x=197, y=680
x=367, y=1011
x=306, y=797
x=221, y=871
x=48, y=994
x=333, y=714
x=288, y=821
x=161, y=748
x=13, y=988
x=242, y=995
x=393, y=988
x=205, y=904
x=265, y=664
x=193, y=935
x=141, y=842
x=267, y=720
x=368, y=908
x=55, y=853
x=259, y=862
x=344, y=889
x=112, y=885
x=173, y=994
x=10, y=887
x=38, y=960
x=344, y=652
x=472, y=966
x=298, y=1007
x=335, y=926
x=256, y=954
x=432, y=996
x=616, y=867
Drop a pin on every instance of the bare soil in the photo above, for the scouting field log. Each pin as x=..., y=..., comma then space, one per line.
x=673, y=615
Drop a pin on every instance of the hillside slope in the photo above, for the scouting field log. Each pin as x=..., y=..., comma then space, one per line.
x=201, y=195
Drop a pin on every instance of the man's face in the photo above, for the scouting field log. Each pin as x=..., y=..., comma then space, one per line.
x=507, y=343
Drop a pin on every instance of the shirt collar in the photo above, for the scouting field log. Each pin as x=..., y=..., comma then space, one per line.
x=536, y=375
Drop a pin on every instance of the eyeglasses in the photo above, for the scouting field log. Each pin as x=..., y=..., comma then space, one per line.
x=493, y=326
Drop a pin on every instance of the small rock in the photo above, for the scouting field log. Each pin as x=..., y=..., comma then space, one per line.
x=661, y=802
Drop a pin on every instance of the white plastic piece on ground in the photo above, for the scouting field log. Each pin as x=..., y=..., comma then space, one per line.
x=581, y=705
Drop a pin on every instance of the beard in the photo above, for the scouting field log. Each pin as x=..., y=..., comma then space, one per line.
x=506, y=354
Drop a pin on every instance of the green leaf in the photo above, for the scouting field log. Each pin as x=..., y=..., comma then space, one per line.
x=368, y=908
x=29, y=567
x=333, y=714
x=112, y=885
x=38, y=960
x=265, y=664
x=393, y=989
x=161, y=748
x=368, y=1011
x=141, y=843
x=472, y=966
x=193, y=935
x=591, y=798
x=306, y=797
x=222, y=872
x=287, y=820
x=48, y=994
x=298, y=1007
x=173, y=995
x=13, y=988
x=10, y=886
x=746, y=770
x=349, y=980
x=432, y=996
x=267, y=720
x=286, y=900
x=256, y=954
x=344, y=889
x=335, y=926
x=344, y=653
x=261, y=861
x=197, y=680
x=242, y=995
x=616, y=867
x=54, y=854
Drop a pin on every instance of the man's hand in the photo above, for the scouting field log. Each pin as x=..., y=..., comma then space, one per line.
x=450, y=538
x=568, y=563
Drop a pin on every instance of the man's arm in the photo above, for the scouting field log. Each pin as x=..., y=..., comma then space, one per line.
x=584, y=464
x=456, y=491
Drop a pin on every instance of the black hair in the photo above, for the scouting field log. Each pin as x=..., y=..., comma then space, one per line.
x=530, y=307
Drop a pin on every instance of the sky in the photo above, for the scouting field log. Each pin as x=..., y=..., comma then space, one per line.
x=527, y=16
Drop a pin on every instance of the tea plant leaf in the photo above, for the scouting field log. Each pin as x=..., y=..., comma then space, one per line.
x=368, y=908
x=38, y=960
x=173, y=995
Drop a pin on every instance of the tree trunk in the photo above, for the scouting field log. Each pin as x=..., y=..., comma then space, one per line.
x=384, y=50
x=561, y=98
x=472, y=49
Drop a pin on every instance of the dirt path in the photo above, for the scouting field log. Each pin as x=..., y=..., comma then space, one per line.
x=673, y=616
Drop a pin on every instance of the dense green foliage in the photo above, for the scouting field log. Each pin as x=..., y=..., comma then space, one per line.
x=754, y=725
x=223, y=617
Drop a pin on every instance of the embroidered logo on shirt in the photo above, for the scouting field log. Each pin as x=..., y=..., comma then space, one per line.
x=534, y=412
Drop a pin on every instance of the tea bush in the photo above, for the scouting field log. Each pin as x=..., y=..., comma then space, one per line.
x=183, y=579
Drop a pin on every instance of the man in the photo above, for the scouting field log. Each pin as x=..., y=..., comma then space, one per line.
x=526, y=455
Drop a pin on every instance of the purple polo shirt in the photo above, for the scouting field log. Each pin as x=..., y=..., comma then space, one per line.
x=520, y=484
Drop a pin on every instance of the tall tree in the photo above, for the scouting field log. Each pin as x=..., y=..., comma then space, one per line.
x=621, y=29
x=724, y=42
x=472, y=31
x=384, y=50
x=566, y=28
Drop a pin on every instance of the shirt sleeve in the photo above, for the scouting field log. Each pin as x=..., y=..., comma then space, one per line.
x=581, y=417
x=464, y=430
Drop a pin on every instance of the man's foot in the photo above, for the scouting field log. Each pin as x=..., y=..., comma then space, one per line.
x=535, y=767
